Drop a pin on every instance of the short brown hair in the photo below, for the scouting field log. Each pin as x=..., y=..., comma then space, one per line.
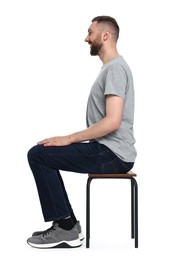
x=109, y=21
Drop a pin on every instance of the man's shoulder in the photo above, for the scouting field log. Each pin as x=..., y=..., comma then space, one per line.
x=119, y=63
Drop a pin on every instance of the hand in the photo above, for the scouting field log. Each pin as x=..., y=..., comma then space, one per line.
x=56, y=141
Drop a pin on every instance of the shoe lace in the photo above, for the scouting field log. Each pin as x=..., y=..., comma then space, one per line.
x=48, y=231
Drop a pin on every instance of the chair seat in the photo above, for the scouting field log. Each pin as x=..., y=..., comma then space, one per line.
x=113, y=175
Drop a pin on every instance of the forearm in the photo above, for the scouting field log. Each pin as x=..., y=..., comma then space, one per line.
x=101, y=128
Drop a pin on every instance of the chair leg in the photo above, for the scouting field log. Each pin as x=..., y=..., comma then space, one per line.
x=132, y=209
x=88, y=212
x=135, y=209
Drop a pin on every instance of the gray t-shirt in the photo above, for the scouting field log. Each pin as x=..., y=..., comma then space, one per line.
x=115, y=78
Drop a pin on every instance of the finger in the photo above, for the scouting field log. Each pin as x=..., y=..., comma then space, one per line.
x=43, y=141
x=49, y=143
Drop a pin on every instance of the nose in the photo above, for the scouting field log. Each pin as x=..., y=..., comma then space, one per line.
x=86, y=39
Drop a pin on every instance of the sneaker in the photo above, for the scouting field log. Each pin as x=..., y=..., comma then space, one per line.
x=56, y=237
x=77, y=225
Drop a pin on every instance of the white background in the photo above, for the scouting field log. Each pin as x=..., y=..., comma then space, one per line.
x=46, y=73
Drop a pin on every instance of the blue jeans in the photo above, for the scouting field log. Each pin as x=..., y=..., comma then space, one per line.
x=45, y=163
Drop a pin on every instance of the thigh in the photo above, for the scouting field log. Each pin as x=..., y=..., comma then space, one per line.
x=77, y=157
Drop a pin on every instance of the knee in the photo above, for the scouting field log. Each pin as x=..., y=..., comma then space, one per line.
x=33, y=153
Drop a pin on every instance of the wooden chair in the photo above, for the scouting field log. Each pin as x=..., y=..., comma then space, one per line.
x=134, y=201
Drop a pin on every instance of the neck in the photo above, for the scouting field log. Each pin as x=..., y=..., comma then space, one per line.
x=109, y=58
x=107, y=55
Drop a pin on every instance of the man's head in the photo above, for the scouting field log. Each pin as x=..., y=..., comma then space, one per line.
x=103, y=28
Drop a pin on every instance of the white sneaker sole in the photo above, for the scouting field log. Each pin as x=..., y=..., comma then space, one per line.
x=61, y=244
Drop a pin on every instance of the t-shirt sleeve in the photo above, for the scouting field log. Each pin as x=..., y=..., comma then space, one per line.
x=115, y=81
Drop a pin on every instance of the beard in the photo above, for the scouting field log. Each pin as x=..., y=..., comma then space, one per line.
x=95, y=48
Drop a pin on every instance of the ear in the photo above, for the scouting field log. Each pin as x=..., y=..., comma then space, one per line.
x=105, y=36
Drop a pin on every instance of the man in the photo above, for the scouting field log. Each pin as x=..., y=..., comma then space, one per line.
x=109, y=132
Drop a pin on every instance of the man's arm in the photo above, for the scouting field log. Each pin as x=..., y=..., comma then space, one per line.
x=111, y=122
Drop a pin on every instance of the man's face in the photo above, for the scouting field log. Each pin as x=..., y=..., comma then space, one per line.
x=94, y=39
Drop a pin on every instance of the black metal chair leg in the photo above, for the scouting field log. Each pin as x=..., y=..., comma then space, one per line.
x=136, y=214
x=132, y=209
x=135, y=202
x=88, y=212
